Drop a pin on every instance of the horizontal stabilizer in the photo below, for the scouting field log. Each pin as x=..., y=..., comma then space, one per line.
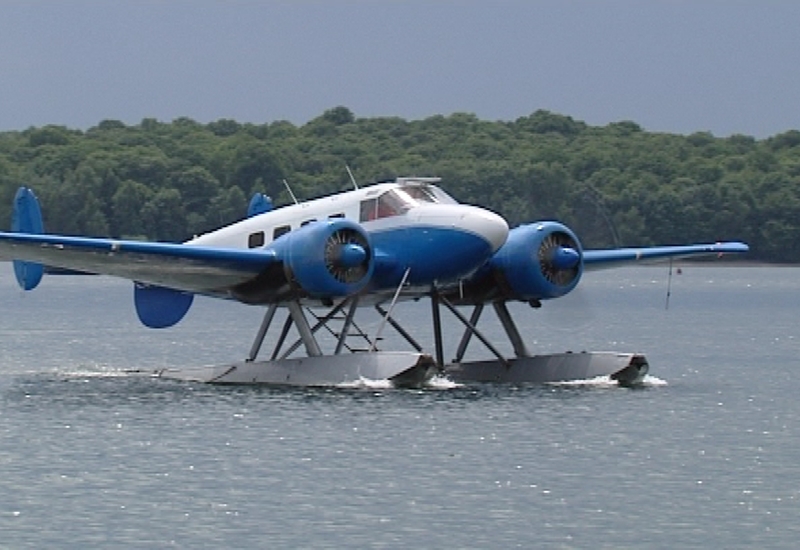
x=159, y=307
x=600, y=259
x=27, y=218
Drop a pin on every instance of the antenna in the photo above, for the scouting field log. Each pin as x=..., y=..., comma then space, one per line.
x=289, y=189
x=351, y=176
x=669, y=284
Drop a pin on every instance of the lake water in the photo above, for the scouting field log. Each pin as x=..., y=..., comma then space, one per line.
x=707, y=454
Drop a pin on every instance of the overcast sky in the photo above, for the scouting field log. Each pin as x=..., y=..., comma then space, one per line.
x=725, y=66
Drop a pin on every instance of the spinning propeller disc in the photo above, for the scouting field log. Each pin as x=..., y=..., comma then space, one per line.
x=336, y=257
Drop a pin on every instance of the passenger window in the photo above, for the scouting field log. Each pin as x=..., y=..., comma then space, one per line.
x=282, y=230
x=308, y=222
x=339, y=215
x=255, y=240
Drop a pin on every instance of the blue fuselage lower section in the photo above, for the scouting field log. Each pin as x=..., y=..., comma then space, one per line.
x=433, y=254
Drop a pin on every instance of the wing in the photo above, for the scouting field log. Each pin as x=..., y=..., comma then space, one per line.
x=616, y=257
x=196, y=269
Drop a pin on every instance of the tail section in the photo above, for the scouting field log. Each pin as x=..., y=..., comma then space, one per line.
x=259, y=204
x=27, y=218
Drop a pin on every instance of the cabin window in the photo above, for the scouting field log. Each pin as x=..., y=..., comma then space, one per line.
x=339, y=215
x=308, y=222
x=282, y=230
x=255, y=240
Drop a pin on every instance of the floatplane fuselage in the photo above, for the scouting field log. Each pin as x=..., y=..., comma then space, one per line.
x=403, y=239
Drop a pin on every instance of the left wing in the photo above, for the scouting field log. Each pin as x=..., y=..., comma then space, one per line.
x=616, y=257
x=190, y=268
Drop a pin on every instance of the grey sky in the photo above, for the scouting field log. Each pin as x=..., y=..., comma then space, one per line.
x=723, y=66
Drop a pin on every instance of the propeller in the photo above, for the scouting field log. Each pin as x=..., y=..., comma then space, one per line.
x=347, y=255
x=559, y=258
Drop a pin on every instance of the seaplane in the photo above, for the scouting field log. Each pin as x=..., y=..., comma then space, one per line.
x=322, y=259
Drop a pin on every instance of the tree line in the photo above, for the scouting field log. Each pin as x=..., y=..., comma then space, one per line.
x=614, y=185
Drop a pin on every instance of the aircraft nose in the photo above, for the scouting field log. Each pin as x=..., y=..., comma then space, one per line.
x=487, y=224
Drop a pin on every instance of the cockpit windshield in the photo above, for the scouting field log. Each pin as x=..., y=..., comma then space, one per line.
x=397, y=201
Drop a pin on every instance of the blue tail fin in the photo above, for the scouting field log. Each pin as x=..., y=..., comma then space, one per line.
x=259, y=204
x=27, y=218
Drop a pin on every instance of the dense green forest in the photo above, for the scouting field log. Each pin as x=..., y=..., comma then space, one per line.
x=614, y=185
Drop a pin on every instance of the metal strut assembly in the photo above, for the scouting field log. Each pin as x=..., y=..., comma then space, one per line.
x=307, y=333
x=470, y=330
x=437, y=329
x=262, y=332
x=346, y=327
x=511, y=329
x=300, y=321
x=321, y=322
x=462, y=345
x=398, y=327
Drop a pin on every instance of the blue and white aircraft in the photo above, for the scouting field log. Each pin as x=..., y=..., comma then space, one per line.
x=372, y=246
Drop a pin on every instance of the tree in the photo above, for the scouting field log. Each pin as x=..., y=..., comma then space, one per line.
x=171, y=180
x=128, y=205
x=164, y=218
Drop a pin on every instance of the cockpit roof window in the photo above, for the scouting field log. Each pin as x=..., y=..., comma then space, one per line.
x=419, y=193
x=427, y=194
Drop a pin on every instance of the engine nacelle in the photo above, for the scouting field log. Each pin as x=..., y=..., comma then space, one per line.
x=327, y=259
x=538, y=261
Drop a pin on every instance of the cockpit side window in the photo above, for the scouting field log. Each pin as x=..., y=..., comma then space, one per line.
x=369, y=210
x=390, y=203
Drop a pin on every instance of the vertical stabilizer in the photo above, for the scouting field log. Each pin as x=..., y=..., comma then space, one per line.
x=259, y=204
x=27, y=218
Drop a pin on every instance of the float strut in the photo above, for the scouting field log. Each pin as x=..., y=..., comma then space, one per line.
x=262, y=332
x=300, y=321
x=403, y=332
x=471, y=327
x=282, y=338
x=511, y=329
x=321, y=322
x=437, y=330
x=348, y=320
x=473, y=321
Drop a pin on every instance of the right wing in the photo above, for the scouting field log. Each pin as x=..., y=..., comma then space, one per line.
x=617, y=257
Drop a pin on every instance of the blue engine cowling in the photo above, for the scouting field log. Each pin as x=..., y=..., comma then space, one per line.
x=539, y=261
x=327, y=259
